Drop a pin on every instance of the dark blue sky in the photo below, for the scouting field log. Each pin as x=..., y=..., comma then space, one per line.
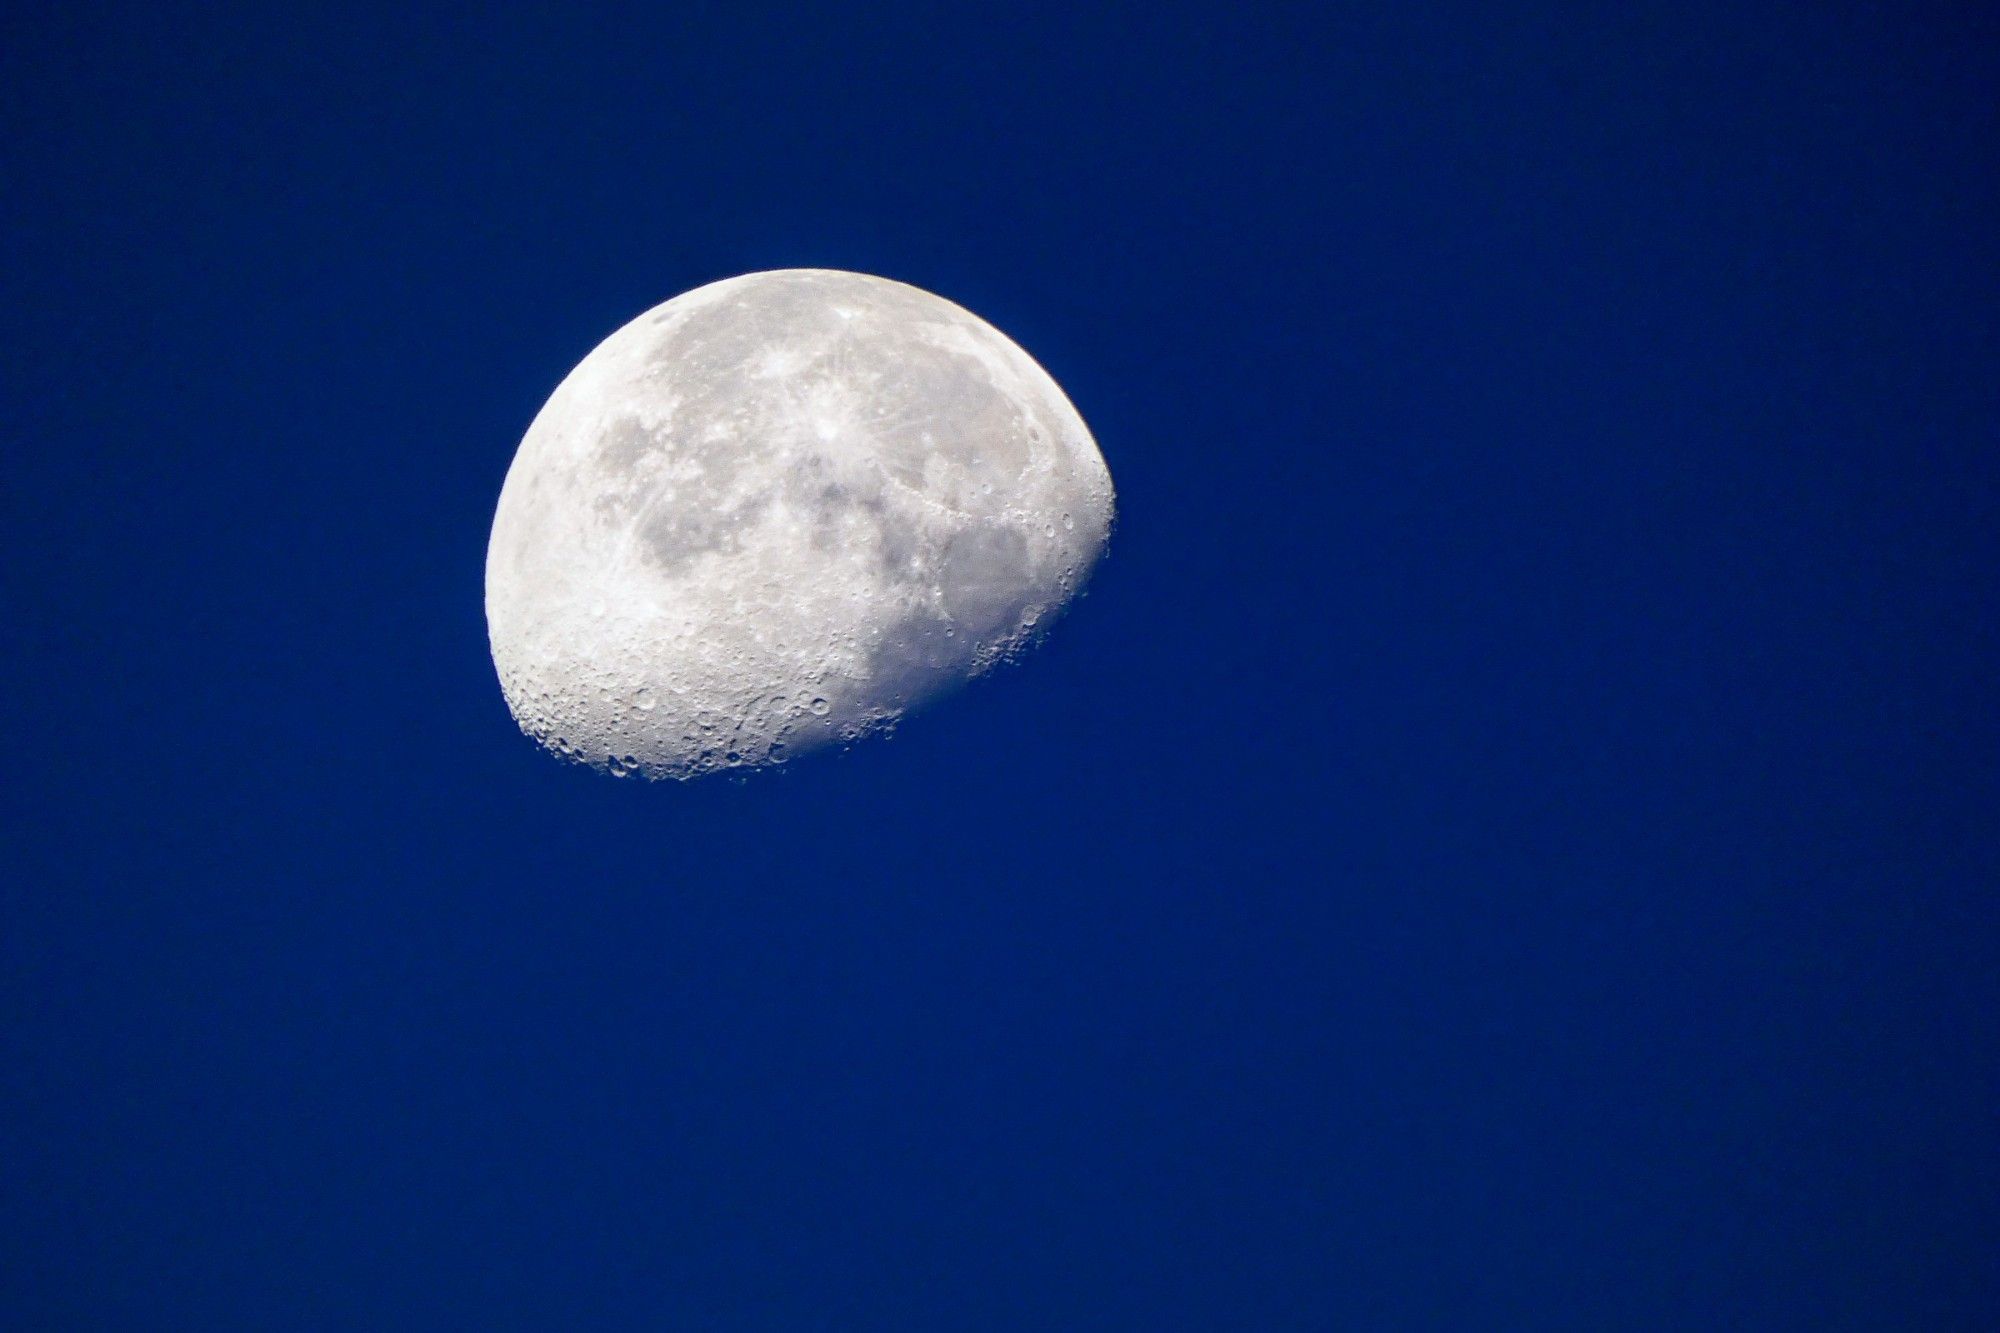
x=1509, y=841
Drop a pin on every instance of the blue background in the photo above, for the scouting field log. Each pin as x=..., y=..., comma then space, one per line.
x=1509, y=840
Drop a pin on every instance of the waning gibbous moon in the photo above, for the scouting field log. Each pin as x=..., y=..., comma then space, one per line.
x=778, y=511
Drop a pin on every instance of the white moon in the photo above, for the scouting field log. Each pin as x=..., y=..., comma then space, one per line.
x=778, y=511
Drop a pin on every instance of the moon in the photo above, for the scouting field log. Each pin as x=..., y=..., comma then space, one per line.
x=778, y=512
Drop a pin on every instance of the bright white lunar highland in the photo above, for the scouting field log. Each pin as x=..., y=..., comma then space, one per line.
x=778, y=511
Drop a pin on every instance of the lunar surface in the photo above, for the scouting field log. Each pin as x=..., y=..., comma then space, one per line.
x=779, y=511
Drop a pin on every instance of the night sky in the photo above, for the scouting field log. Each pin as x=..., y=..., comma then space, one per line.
x=1509, y=841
